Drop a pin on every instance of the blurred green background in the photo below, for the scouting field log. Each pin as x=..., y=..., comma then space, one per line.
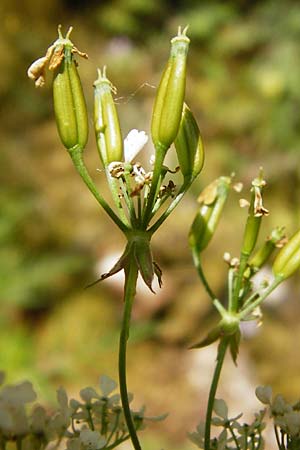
x=243, y=86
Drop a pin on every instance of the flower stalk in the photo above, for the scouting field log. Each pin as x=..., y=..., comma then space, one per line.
x=131, y=273
x=213, y=389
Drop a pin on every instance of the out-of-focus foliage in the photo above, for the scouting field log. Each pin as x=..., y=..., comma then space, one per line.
x=243, y=85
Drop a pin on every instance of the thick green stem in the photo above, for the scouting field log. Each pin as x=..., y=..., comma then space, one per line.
x=213, y=389
x=76, y=155
x=131, y=274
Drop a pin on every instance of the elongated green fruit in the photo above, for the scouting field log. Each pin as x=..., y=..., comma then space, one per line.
x=69, y=102
x=188, y=144
x=251, y=233
x=262, y=255
x=169, y=100
x=106, y=121
x=288, y=259
x=207, y=218
x=255, y=213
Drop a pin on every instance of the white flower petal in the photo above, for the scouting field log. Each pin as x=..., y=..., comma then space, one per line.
x=133, y=143
x=107, y=385
x=264, y=394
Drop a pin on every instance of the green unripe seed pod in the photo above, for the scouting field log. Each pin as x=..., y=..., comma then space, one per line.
x=188, y=144
x=106, y=121
x=276, y=239
x=212, y=201
x=287, y=262
x=68, y=98
x=251, y=234
x=255, y=213
x=169, y=100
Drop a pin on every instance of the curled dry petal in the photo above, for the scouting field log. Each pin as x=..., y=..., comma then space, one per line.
x=36, y=71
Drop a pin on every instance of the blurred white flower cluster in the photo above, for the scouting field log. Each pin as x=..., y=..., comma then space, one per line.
x=96, y=421
x=234, y=435
x=286, y=417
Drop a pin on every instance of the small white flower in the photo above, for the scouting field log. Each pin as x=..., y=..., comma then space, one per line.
x=18, y=394
x=133, y=144
x=87, y=394
x=107, y=385
x=264, y=394
x=280, y=406
x=220, y=408
x=91, y=440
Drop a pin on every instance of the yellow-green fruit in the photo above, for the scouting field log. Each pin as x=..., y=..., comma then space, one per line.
x=188, y=144
x=69, y=103
x=287, y=262
x=169, y=100
x=212, y=201
x=106, y=122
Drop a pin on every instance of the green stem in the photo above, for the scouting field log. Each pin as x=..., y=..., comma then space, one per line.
x=171, y=207
x=104, y=417
x=198, y=265
x=114, y=186
x=238, y=282
x=76, y=155
x=234, y=437
x=131, y=274
x=130, y=199
x=251, y=299
x=117, y=442
x=246, y=311
x=230, y=287
x=159, y=158
x=114, y=428
x=90, y=419
x=213, y=389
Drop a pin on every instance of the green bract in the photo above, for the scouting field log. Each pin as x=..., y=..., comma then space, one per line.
x=169, y=100
x=106, y=120
x=288, y=259
x=188, y=144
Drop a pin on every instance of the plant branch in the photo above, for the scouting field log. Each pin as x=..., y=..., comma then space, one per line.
x=131, y=274
x=76, y=155
x=198, y=265
x=171, y=207
x=213, y=389
x=159, y=158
